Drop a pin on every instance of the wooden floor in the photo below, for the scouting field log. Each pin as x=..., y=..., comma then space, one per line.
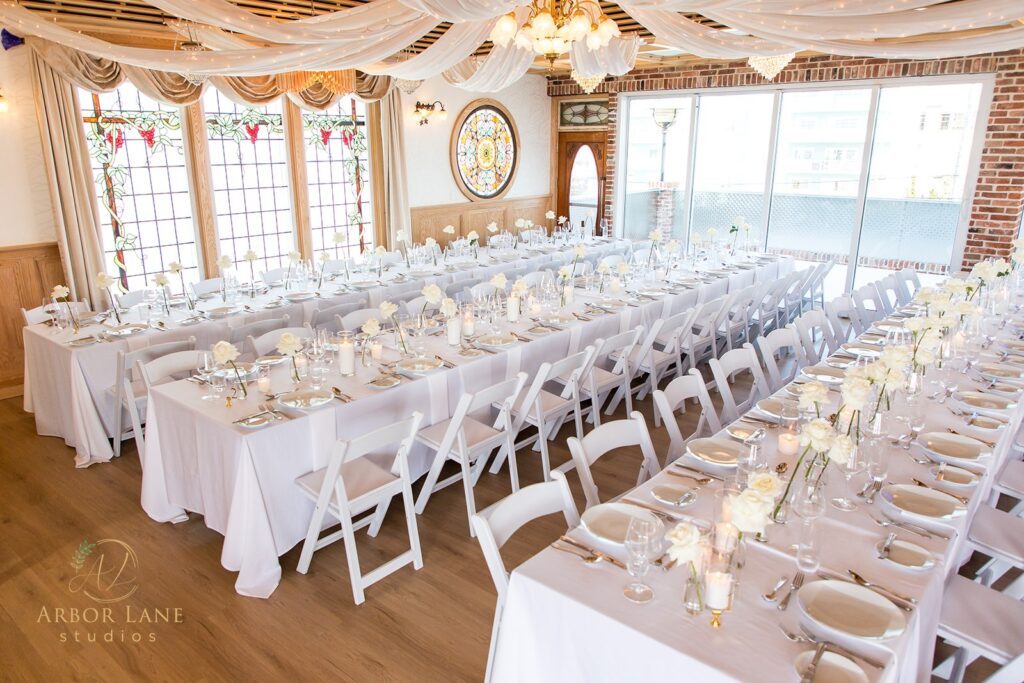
x=430, y=625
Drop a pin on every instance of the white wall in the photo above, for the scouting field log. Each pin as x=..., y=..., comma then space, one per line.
x=25, y=209
x=430, y=176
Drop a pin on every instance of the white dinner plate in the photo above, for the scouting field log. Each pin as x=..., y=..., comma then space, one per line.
x=259, y=420
x=984, y=404
x=246, y=370
x=907, y=555
x=950, y=475
x=223, y=311
x=846, y=609
x=741, y=430
x=832, y=668
x=126, y=330
x=295, y=297
x=366, y=284
x=715, y=451
x=384, y=382
x=952, y=448
x=858, y=349
x=84, y=341
x=271, y=359
x=305, y=398
x=276, y=303
x=773, y=407
x=922, y=502
x=418, y=366
x=674, y=494
x=497, y=340
x=610, y=521
x=825, y=374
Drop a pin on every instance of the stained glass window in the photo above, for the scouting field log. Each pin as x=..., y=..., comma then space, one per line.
x=337, y=171
x=249, y=164
x=486, y=151
x=136, y=153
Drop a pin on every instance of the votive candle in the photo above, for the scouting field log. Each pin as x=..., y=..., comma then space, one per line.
x=789, y=443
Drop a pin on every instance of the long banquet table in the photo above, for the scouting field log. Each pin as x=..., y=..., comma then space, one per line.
x=564, y=620
x=242, y=481
x=68, y=388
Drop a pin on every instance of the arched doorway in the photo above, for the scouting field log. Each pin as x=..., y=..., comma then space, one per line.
x=581, y=177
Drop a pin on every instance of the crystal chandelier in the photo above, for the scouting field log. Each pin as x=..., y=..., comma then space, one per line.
x=193, y=48
x=587, y=83
x=554, y=26
x=407, y=86
x=769, y=67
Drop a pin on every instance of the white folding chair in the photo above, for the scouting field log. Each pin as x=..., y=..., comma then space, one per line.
x=129, y=299
x=612, y=260
x=784, y=340
x=725, y=368
x=608, y=437
x=610, y=370
x=414, y=306
x=324, y=317
x=869, y=304
x=673, y=336
x=206, y=289
x=274, y=276
x=814, y=288
x=536, y=278
x=736, y=323
x=496, y=525
x=909, y=284
x=889, y=293
x=673, y=398
x=354, y=320
x=457, y=289
x=792, y=301
x=34, y=316
x=981, y=622
x=130, y=395
x=816, y=335
x=480, y=291
x=546, y=410
x=171, y=366
x=267, y=343
x=361, y=475
x=844, y=317
x=470, y=440
x=242, y=333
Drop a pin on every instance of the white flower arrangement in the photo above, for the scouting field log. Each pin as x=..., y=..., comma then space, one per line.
x=622, y=268
x=817, y=434
x=387, y=309
x=174, y=267
x=492, y=227
x=655, y=235
x=685, y=545
x=225, y=262
x=225, y=353
x=751, y=511
x=104, y=281
x=449, y=308
x=339, y=238
x=448, y=230
x=549, y=215
x=160, y=280
x=294, y=256
x=371, y=328
x=519, y=288
x=766, y=483
x=499, y=281
x=400, y=236
x=812, y=395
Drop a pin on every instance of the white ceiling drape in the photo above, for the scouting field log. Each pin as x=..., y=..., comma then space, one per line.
x=499, y=69
x=616, y=59
x=458, y=43
x=463, y=10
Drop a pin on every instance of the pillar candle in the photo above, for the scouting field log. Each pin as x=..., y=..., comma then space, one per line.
x=346, y=357
x=513, y=308
x=717, y=590
x=567, y=293
x=263, y=384
x=468, y=324
x=454, y=326
x=376, y=350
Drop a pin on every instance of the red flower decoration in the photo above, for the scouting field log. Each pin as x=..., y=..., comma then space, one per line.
x=253, y=131
x=117, y=142
x=346, y=138
x=149, y=135
x=325, y=135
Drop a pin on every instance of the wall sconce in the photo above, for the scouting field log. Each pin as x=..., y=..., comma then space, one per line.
x=425, y=111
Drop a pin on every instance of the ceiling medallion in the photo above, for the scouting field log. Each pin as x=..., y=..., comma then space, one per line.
x=769, y=67
x=554, y=26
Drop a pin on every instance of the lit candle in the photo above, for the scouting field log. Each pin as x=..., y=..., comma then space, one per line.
x=263, y=384
x=534, y=304
x=567, y=293
x=300, y=365
x=468, y=323
x=376, y=350
x=454, y=327
x=717, y=590
x=513, y=308
x=346, y=355
x=789, y=443
x=726, y=537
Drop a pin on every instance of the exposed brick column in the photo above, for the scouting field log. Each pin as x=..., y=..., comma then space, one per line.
x=998, y=201
x=664, y=204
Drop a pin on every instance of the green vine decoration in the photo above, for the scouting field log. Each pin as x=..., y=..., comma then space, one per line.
x=244, y=127
x=106, y=134
x=81, y=554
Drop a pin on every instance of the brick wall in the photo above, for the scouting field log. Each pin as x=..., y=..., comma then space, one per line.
x=999, y=197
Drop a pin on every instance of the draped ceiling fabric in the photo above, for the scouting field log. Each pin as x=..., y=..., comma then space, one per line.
x=371, y=37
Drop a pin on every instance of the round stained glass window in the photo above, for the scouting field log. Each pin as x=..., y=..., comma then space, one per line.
x=485, y=151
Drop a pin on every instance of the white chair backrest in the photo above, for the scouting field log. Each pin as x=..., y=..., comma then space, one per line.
x=257, y=329
x=172, y=366
x=1011, y=672
x=606, y=438
x=495, y=526
x=612, y=260
x=844, y=316
x=414, y=306
x=535, y=278
x=816, y=335
x=573, y=368
x=722, y=370
x=34, y=316
x=673, y=397
x=869, y=304
x=129, y=299
x=704, y=320
x=784, y=338
x=889, y=293
x=127, y=361
x=204, y=287
x=909, y=284
x=457, y=289
x=267, y=343
x=324, y=317
x=622, y=343
x=274, y=275
x=354, y=320
x=684, y=301
x=481, y=291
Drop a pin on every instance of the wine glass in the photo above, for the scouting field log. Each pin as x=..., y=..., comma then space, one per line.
x=853, y=466
x=205, y=366
x=641, y=538
x=317, y=373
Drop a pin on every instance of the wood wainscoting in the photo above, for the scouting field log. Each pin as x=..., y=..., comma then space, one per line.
x=27, y=273
x=429, y=221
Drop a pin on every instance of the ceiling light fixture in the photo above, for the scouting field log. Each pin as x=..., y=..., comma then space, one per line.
x=770, y=67
x=588, y=84
x=554, y=26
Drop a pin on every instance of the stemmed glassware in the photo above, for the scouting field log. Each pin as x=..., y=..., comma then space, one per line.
x=205, y=366
x=808, y=503
x=853, y=465
x=642, y=539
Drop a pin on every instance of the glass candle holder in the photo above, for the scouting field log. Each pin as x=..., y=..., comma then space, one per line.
x=346, y=354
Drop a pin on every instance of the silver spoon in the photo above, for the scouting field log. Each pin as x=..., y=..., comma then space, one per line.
x=771, y=595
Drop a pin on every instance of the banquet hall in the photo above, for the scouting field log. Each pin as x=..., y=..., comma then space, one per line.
x=508, y=340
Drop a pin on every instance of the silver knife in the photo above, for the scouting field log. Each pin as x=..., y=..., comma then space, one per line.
x=808, y=675
x=798, y=581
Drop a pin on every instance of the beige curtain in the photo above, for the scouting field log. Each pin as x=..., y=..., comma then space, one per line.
x=66, y=157
x=395, y=192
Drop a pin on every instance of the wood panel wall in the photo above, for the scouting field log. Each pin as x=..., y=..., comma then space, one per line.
x=27, y=273
x=429, y=221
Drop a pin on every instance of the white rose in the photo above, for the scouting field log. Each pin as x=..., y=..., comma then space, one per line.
x=615, y=285
x=673, y=246
x=602, y=268
x=696, y=238
x=856, y=392
x=712, y=234
x=766, y=483
x=818, y=434
x=174, y=267
x=876, y=372
x=224, y=352
x=925, y=356
x=449, y=308
x=432, y=293
x=160, y=280
x=896, y=357
x=842, y=449
x=294, y=256
x=448, y=230
x=499, y=281
x=472, y=236
x=60, y=292
x=562, y=220
x=430, y=242
x=580, y=250
x=965, y=308
x=684, y=544
x=387, y=309
x=225, y=262
x=750, y=511
x=339, y=238
x=324, y=257
x=371, y=327
x=251, y=256
x=400, y=236
x=565, y=272
x=104, y=281
x=519, y=288
x=492, y=227
x=741, y=223
x=654, y=235
x=379, y=252
x=915, y=324
x=289, y=344
x=622, y=267
x=812, y=394
x=520, y=223
x=955, y=285
x=549, y=215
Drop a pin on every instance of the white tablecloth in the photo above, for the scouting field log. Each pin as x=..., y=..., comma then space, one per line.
x=243, y=481
x=565, y=621
x=69, y=388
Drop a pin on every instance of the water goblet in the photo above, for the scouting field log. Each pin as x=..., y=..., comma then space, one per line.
x=641, y=538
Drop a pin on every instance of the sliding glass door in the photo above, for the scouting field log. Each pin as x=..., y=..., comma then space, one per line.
x=873, y=176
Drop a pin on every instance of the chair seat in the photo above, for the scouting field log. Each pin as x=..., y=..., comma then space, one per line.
x=660, y=358
x=549, y=403
x=1011, y=479
x=983, y=619
x=999, y=534
x=138, y=391
x=361, y=476
x=476, y=432
x=601, y=377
